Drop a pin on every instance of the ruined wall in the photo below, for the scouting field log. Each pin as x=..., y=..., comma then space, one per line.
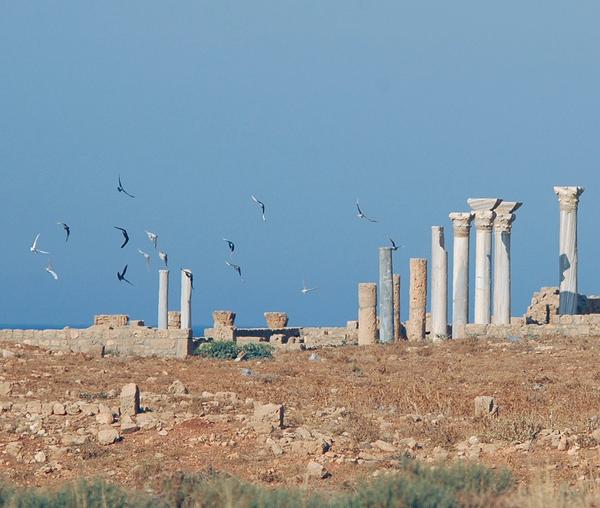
x=122, y=340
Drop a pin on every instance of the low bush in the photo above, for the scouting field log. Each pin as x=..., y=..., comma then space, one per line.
x=256, y=351
x=228, y=350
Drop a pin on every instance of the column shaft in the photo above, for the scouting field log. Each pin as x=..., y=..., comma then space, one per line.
x=186, y=300
x=397, y=321
x=417, y=299
x=163, y=299
x=367, y=313
x=386, y=296
x=439, y=285
x=461, y=223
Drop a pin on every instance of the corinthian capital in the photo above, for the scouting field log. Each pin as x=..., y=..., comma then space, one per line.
x=461, y=222
x=568, y=197
x=505, y=216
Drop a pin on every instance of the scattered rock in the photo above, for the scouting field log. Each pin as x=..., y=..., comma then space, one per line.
x=40, y=457
x=178, y=388
x=485, y=406
x=316, y=470
x=130, y=399
x=128, y=425
x=108, y=436
x=146, y=421
x=267, y=417
x=385, y=446
x=105, y=418
x=14, y=448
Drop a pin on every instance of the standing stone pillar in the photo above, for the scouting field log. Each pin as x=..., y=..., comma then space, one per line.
x=163, y=299
x=417, y=300
x=367, y=313
x=568, y=200
x=186, y=300
x=397, y=322
x=461, y=225
x=439, y=285
x=386, y=296
x=502, y=230
x=484, y=218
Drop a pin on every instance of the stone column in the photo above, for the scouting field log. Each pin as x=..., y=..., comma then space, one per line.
x=461, y=225
x=367, y=313
x=502, y=229
x=163, y=299
x=568, y=200
x=439, y=285
x=484, y=218
x=397, y=322
x=417, y=300
x=186, y=300
x=386, y=296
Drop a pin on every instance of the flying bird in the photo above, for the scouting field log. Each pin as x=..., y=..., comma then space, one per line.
x=361, y=215
x=146, y=257
x=230, y=244
x=306, y=290
x=394, y=246
x=34, y=247
x=66, y=228
x=189, y=275
x=153, y=237
x=51, y=271
x=163, y=255
x=262, y=207
x=125, y=235
x=120, y=188
x=237, y=268
x=121, y=276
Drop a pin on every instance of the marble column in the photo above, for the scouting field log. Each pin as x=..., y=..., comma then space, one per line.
x=386, y=296
x=397, y=321
x=367, y=313
x=186, y=299
x=484, y=219
x=502, y=230
x=568, y=200
x=163, y=299
x=439, y=285
x=461, y=225
x=417, y=300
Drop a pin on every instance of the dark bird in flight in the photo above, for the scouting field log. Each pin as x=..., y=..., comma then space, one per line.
x=230, y=244
x=237, y=268
x=125, y=235
x=394, y=246
x=66, y=228
x=262, y=207
x=189, y=275
x=121, y=276
x=361, y=215
x=120, y=188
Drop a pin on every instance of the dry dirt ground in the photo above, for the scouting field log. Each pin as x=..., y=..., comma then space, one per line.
x=356, y=411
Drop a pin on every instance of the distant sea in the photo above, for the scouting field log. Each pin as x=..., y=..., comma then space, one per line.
x=197, y=331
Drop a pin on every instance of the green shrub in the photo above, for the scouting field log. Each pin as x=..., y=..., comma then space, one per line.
x=254, y=351
x=219, y=349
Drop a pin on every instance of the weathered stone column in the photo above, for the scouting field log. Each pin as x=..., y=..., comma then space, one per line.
x=163, y=299
x=484, y=218
x=417, y=300
x=367, y=313
x=386, y=296
x=461, y=225
x=502, y=229
x=439, y=285
x=397, y=321
x=568, y=200
x=186, y=299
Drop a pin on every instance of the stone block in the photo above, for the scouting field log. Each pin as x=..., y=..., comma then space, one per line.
x=111, y=320
x=223, y=318
x=267, y=417
x=276, y=320
x=174, y=319
x=485, y=406
x=130, y=399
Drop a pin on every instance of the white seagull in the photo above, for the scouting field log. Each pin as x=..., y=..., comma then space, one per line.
x=146, y=257
x=237, y=268
x=306, y=290
x=51, y=271
x=153, y=237
x=34, y=247
x=262, y=207
x=163, y=255
x=361, y=215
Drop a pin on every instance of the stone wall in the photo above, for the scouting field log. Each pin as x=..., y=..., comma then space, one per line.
x=122, y=340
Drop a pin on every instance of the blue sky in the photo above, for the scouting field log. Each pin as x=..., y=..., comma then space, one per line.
x=412, y=107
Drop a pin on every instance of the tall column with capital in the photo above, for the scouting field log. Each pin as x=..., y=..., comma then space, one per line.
x=461, y=225
x=439, y=285
x=386, y=296
x=568, y=200
x=186, y=298
x=502, y=230
x=484, y=219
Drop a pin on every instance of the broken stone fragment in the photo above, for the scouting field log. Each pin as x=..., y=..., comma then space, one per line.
x=316, y=470
x=108, y=436
x=485, y=406
x=130, y=399
x=178, y=388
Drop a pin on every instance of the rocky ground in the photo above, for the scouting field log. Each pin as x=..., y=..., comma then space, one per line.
x=330, y=417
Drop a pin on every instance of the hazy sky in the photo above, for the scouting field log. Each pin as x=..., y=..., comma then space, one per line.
x=411, y=106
